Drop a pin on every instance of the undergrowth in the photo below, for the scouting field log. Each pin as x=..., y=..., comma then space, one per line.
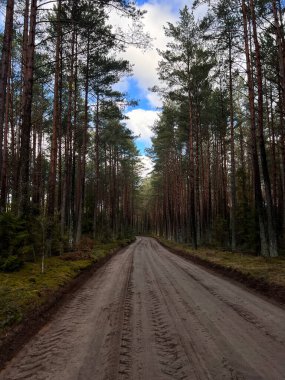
x=271, y=270
x=27, y=289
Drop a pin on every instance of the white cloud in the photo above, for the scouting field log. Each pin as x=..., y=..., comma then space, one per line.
x=146, y=62
x=201, y=11
x=154, y=99
x=140, y=123
x=147, y=166
x=159, y=13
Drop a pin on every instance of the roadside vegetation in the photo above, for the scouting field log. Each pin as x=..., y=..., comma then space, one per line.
x=219, y=144
x=69, y=166
x=28, y=288
x=269, y=271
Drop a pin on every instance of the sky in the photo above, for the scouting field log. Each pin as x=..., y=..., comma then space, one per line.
x=145, y=63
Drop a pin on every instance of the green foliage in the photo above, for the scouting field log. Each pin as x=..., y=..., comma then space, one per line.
x=27, y=289
x=102, y=249
x=54, y=242
x=14, y=242
x=11, y=264
x=220, y=232
x=25, y=239
x=10, y=312
x=10, y=227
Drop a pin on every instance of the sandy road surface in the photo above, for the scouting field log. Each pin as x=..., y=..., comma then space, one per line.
x=150, y=315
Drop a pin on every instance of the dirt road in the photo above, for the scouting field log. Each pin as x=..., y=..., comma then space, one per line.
x=150, y=315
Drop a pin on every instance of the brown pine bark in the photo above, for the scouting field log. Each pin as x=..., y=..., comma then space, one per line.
x=192, y=206
x=97, y=168
x=273, y=145
x=27, y=99
x=279, y=30
x=272, y=239
x=233, y=163
x=65, y=200
x=263, y=243
x=4, y=168
x=17, y=164
x=281, y=51
x=82, y=162
x=38, y=186
x=60, y=133
x=55, y=121
x=4, y=68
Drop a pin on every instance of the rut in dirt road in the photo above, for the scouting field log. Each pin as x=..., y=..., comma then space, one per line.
x=151, y=315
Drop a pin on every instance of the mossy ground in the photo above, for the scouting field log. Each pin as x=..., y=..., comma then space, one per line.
x=271, y=270
x=23, y=291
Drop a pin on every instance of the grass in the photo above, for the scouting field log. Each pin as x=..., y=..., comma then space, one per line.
x=271, y=270
x=24, y=291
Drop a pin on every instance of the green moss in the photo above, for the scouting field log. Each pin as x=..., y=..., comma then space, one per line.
x=25, y=290
x=101, y=249
x=270, y=269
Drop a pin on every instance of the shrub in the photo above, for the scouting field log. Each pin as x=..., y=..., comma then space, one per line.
x=11, y=264
x=10, y=226
x=19, y=240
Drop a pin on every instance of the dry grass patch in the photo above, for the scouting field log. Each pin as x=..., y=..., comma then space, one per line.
x=271, y=270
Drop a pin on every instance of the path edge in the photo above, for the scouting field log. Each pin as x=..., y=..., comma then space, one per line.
x=272, y=292
x=22, y=333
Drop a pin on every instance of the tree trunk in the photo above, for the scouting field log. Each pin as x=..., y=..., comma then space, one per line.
x=272, y=239
x=4, y=68
x=82, y=163
x=4, y=168
x=192, y=207
x=264, y=248
x=27, y=99
x=56, y=118
x=281, y=52
x=233, y=163
x=97, y=168
x=65, y=202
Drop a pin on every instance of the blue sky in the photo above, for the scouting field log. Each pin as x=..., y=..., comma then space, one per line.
x=142, y=117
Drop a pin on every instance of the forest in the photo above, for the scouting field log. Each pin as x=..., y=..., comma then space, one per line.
x=219, y=148
x=142, y=189
x=70, y=167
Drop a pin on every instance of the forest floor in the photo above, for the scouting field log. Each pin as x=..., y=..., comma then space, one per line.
x=28, y=296
x=149, y=314
x=266, y=275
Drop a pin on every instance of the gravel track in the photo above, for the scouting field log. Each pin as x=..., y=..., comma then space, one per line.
x=151, y=315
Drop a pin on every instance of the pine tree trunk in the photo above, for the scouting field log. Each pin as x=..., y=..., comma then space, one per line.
x=56, y=118
x=17, y=164
x=74, y=139
x=65, y=200
x=273, y=252
x=4, y=168
x=60, y=132
x=281, y=52
x=192, y=207
x=97, y=169
x=4, y=68
x=260, y=217
x=27, y=99
x=82, y=163
x=233, y=163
